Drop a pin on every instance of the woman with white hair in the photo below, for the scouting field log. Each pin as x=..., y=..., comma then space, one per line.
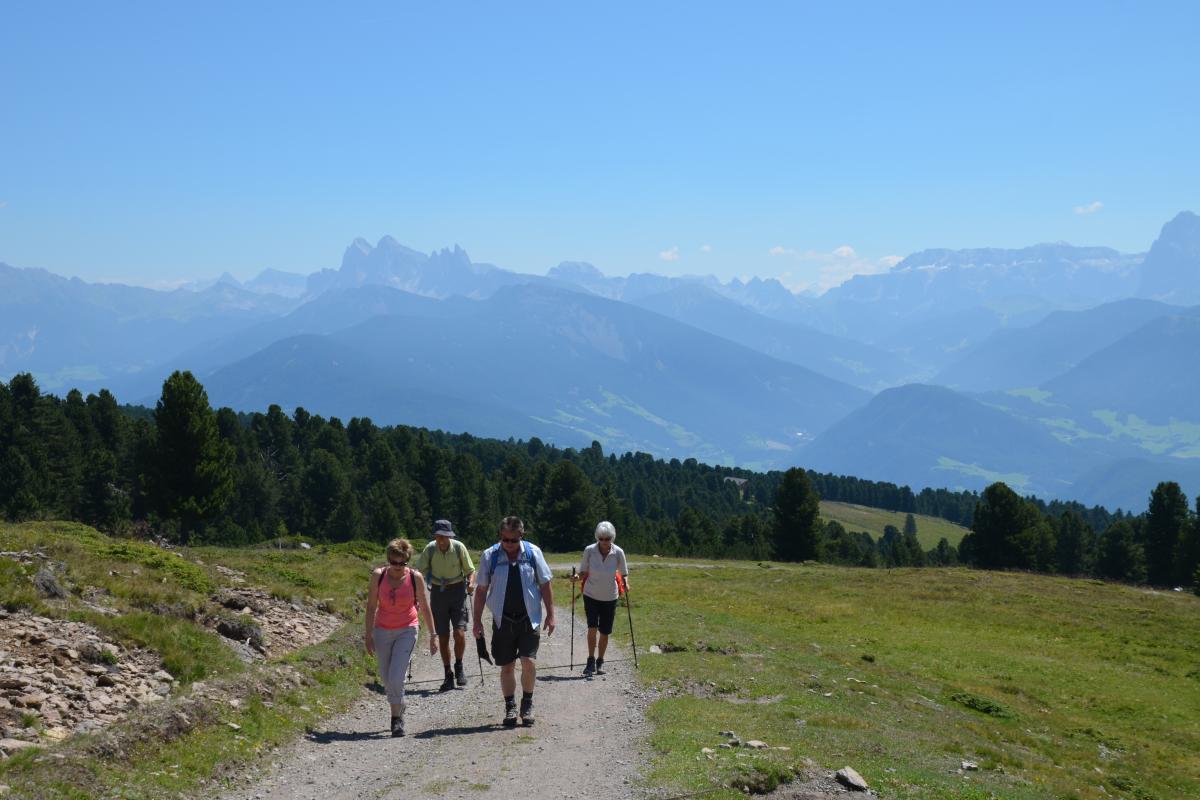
x=602, y=562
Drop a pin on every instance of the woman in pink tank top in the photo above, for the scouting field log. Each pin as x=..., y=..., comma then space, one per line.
x=395, y=601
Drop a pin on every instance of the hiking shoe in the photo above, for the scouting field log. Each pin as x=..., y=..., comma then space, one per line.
x=590, y=669
x=448, y=683
x=599, y=666
x=460, y=676
x=527, y=711
x=510, y=715
x=397, y=727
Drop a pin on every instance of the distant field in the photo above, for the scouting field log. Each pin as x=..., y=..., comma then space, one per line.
x=1053, y=687
x=872, y=520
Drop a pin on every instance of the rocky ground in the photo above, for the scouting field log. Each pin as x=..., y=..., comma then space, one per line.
x=58, y=678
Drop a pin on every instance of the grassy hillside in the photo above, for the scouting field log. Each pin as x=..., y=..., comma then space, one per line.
x=1055, y=688
x=872, y=520
x=139, y=595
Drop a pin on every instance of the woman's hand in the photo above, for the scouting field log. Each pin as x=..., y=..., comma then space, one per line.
x=369, y=641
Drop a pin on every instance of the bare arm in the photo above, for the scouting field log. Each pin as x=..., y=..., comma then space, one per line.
x=477, y=611
x=372, y=604
x=424, y=611
x=547, y=590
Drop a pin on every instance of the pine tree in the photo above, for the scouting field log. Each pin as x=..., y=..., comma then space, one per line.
x=1166, y=522
x=563, y=517
x=193, y=479
x=796, y=532
x=1121, y=554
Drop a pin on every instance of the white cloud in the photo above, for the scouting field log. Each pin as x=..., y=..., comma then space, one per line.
x=671, y=254
x=818, y=271
x=1090, y=208
x=706, y=248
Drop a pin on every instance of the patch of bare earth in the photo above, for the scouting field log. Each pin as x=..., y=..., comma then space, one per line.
x=589, y=739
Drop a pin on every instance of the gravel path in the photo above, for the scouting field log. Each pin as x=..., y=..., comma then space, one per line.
x=588, y=732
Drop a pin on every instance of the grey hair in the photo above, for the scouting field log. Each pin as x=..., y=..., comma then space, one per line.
x=512, y=525
x=607, y=528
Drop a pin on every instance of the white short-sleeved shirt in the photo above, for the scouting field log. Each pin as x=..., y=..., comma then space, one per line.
x=602, y=571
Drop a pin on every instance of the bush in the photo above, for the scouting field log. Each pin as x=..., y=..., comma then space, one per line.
x=981, y=704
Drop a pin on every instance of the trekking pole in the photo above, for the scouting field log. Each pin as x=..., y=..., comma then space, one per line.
x=629, y=610
x=478, y=653
x=572, y=618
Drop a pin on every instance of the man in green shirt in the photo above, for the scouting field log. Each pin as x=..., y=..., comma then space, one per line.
x=449, y=571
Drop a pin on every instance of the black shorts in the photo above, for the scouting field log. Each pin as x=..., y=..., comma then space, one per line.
x=449, y=607
x=513, y=639
x=600, y=613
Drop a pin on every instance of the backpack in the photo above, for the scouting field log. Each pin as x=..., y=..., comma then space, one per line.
x=526, y=557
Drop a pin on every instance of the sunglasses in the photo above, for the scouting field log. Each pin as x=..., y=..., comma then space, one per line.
x=397, y=563
x=507, y=540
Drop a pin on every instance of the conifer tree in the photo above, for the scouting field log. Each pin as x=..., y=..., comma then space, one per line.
x=1166, y=523
x=796, y=532
x=193, y=478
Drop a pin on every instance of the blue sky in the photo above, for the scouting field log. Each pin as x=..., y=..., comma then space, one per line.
x=158, y=142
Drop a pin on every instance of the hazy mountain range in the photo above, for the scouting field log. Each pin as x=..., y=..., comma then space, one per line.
x=1063, y=370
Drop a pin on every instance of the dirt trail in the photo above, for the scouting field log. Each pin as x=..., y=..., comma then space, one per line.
x=588, y=732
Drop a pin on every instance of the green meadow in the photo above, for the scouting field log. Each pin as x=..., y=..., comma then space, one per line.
x=1053, y=687
x=852, y=517
x=158, y=595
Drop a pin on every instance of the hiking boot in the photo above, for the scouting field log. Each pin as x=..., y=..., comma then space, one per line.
x=599, y=666
x=510, y=715
x=460, y=676
x=448, y=683
x=527, y=711
x=590, y=669
x=397, y=727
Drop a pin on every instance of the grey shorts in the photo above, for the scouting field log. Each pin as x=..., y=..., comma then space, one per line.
x=449, y=607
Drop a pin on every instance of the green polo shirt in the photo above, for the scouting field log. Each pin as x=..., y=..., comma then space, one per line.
x=449, y=567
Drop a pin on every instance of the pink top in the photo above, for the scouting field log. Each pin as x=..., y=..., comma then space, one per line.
x=397, y=606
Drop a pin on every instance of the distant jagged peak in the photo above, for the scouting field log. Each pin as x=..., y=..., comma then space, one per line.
x=575, y=270
x=227, y=278
x=388, y=244
x=454, y=255
x=1171, y=271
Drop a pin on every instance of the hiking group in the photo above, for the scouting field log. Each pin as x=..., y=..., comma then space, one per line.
x=513, y=582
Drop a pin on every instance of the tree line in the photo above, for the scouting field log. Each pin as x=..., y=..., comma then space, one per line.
x=202, y=476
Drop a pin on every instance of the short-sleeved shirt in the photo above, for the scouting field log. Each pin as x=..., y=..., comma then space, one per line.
x=492, y=578
x=602, y=571
x=441, y=568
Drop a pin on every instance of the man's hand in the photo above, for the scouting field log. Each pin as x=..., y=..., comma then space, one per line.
x=477, y=629
x=549, y=624
x=433, y=644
